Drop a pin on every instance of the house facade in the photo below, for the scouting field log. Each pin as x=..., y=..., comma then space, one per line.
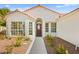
x=37, y=21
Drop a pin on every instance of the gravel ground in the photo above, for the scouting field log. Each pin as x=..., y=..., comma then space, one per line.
x=16, y=50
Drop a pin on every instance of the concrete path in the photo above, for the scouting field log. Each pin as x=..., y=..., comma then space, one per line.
x=38, y=47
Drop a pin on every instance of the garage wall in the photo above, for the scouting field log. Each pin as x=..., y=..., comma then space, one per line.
x=68, y=28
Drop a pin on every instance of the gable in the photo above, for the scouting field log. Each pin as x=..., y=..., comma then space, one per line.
x=18, y=15
x=72, y=14
x=42, y=12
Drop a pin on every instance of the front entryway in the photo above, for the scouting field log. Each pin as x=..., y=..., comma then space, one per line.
x=39, y=28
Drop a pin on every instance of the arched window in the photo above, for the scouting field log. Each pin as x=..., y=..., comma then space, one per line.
x=39, y=20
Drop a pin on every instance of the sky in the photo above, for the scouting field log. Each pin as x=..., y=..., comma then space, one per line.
x=61, y=8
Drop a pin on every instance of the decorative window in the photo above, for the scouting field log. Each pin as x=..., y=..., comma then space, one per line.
x=30, y=28
x=46, y=27
x=18, y=28
x=53, y=27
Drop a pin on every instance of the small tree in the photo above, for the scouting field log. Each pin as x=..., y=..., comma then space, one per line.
x=2, y=22
x=3, y=13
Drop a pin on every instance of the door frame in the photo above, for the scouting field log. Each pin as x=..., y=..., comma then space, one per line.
x=38, y=22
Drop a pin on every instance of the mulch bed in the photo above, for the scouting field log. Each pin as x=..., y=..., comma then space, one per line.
x=68, y=46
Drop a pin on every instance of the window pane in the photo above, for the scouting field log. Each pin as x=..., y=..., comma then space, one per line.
x=30, y=28
x=18, y=28
x=53, y=27
x=47, y=27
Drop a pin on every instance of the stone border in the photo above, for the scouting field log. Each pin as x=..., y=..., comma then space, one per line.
x=29, y=48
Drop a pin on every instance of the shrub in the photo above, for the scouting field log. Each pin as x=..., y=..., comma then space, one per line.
x=9, y=38
x=27, y=39
x=60, y=49
x=50, y=40
x=18, y=42
x=2, y=37
x=9, y=49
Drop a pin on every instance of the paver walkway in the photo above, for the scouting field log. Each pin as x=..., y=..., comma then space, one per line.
x=38, y=46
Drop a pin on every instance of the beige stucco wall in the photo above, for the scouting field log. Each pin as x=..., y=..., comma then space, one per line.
x=17, y=16
x=68, y=28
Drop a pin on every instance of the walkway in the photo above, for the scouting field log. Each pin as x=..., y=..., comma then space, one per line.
x=38, y=47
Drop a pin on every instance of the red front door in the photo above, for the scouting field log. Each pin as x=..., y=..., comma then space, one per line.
x=38, y=29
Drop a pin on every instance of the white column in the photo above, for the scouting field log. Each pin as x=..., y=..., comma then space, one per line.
x=43, y=29
x=49, y=28
x=8, y=25
x=33, y=30
x=26, y=24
